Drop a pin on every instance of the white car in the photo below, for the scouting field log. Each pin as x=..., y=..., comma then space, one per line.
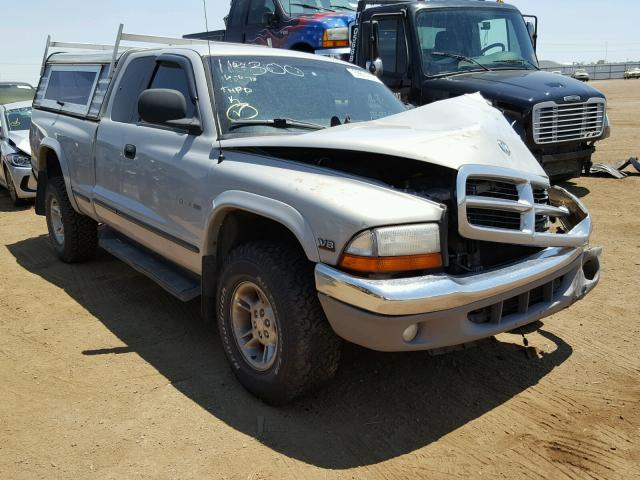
x=581, y=74
x=15, y=152
x=632, y=73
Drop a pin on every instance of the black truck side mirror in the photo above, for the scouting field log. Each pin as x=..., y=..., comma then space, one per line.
x=269, y=19
x=374, y=64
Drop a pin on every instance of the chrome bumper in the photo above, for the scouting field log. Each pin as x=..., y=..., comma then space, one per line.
x=432, y=293
x=334, y=52
x=444, y=310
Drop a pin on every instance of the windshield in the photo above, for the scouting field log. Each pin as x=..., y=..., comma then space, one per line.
x=295, y=8
x=264, y=89
x=490, y=38
x=19, y=119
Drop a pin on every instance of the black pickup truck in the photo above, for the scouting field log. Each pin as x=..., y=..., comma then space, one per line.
x=428, y=51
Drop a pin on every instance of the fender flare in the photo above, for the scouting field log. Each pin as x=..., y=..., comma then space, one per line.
x=284, y=214
x=52, y=144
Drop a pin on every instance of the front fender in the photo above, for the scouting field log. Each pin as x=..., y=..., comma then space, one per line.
x=275, y=210
x=50, y=144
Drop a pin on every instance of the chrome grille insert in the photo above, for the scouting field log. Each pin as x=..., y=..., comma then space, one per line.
x=508, y=206
x=557, y=123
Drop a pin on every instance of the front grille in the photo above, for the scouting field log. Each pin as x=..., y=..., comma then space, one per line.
x=492, y=189
x=494, y=218
x=507, y=206
x=557, y=123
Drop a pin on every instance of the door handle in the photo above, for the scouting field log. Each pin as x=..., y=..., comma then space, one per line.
x=130, y=151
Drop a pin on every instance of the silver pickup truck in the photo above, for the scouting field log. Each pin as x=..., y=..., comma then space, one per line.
x=300, y=200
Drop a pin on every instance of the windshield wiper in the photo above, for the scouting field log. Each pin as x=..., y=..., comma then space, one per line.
x=312, y=7
x=276, y=123
x=459, y=56
x=520, y=61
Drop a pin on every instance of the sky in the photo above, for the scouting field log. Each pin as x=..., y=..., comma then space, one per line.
x=570, y=30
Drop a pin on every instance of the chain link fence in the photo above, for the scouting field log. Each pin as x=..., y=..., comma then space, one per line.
x=609, y=71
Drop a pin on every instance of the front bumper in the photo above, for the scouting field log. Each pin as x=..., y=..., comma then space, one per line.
x=452, y=310
x=340, y=53
x=23, y=181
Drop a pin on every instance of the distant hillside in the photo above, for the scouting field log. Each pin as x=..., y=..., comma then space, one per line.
x=549, y=64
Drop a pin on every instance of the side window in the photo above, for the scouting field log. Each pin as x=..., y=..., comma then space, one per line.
x=257, y=9
x=172, y=76
x=238, y=13
x=71, y=88
x=493, y=33
x=392, y=45
x=134, y=80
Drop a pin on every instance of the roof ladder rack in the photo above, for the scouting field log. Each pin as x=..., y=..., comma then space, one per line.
x=117, y=47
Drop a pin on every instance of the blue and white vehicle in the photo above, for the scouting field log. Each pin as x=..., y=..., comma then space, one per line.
x=15, y=153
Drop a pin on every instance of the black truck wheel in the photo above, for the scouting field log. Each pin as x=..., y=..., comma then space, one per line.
x=273, y=329
x=73, y=236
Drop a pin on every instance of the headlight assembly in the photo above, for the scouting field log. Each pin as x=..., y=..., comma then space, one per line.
x=401, y=248
x=19, y=160
x=335, y=37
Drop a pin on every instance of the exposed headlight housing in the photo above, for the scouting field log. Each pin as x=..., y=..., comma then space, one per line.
x=335, y=37
x=19, y=160
x=395, y=249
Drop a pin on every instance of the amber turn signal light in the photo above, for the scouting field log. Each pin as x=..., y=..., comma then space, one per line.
x=391, y=264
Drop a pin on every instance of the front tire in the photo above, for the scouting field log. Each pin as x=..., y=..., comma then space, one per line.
x=74, y=237
x=272, y=326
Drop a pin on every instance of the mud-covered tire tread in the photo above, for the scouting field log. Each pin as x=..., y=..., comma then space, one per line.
x=317, y=348
x=80, y=231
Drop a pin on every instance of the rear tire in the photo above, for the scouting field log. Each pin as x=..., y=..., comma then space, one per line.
x=267, y=289
x=74, y=237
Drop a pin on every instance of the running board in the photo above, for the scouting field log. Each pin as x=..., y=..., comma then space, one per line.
x=173, y=279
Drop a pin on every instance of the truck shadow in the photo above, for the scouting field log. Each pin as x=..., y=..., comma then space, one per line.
x=577, y=190
x=7, y=206
x=379, y=406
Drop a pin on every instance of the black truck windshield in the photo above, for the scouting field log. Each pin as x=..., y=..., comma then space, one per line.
x=494, y=38
x=268, y=95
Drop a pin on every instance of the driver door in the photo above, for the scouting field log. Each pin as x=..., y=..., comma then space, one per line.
x=394, y=53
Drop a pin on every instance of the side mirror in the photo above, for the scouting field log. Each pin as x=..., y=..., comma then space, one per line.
x=269, y=19
x=374, y=40
x=533, y=34
x=376, y=67
x=374, y=64
x=161, y=106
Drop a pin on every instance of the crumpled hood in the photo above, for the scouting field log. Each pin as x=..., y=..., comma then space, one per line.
x=21, y=140
x=460, y=131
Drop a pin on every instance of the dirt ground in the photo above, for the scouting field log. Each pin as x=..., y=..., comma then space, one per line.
x=106, y=376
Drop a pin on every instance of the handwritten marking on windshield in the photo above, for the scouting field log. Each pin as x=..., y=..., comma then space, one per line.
x=242, y=111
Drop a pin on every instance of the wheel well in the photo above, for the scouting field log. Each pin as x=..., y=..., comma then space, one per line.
x=303, y=47
x=238, y=227
x=241, y=227
x=52, y=164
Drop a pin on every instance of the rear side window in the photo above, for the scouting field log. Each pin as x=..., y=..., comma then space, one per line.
x=69, y=88
x=172, y=76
